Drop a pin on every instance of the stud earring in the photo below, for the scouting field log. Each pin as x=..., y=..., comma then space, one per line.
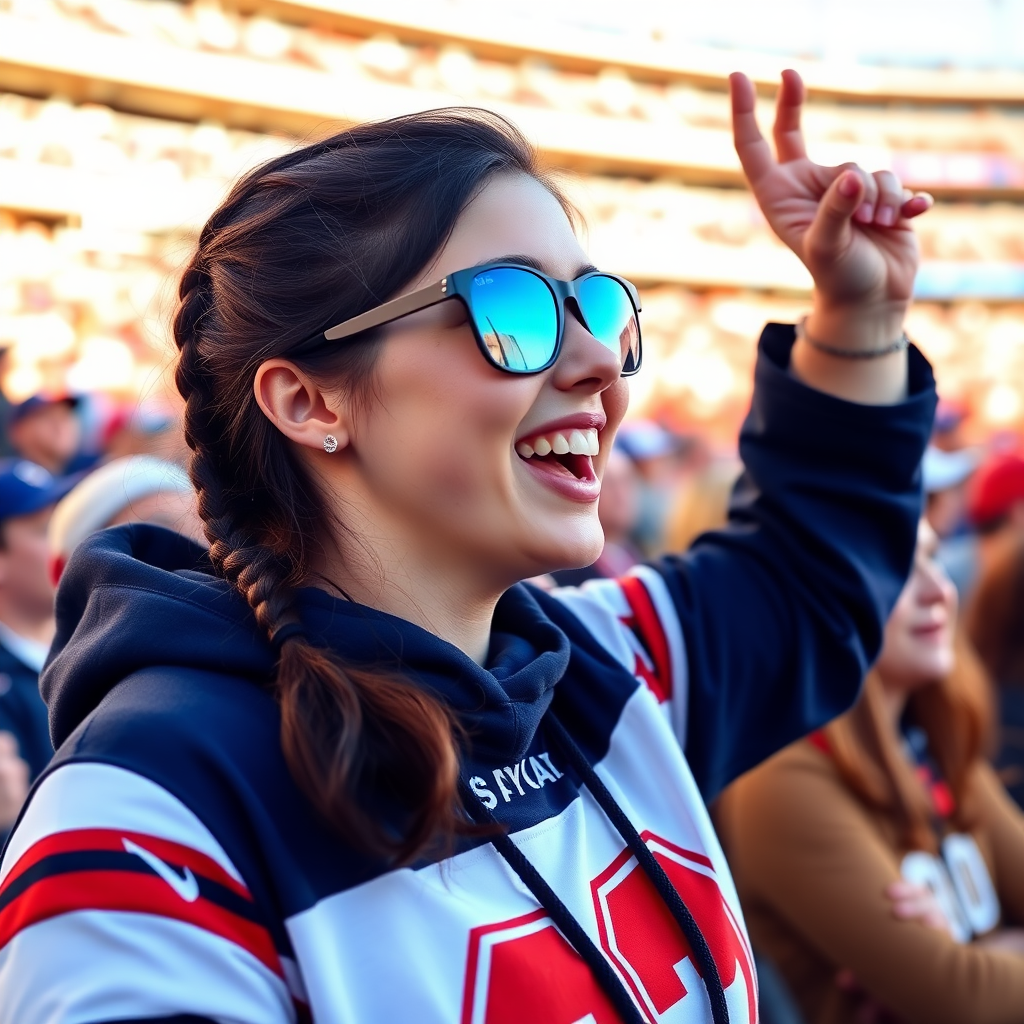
x=330, y=444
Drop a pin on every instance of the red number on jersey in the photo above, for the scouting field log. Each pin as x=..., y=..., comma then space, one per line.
x=642, y=939
x=524, y=970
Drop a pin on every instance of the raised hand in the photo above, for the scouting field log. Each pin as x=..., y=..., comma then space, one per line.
x=851, y=229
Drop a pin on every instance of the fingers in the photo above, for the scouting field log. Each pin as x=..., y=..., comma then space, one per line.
x=830, y=232
x=889, y=198
x=886, y=202
x=913, y=902
x=789, y=139
x=754, y=152
x=8, y=745
x=916, y=204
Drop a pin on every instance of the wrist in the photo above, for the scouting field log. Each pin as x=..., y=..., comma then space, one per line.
x=857, y=327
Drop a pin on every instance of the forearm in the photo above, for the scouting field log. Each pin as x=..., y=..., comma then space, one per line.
x=859, y=328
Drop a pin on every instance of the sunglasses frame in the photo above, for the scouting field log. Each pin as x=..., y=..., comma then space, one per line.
x=457, y=285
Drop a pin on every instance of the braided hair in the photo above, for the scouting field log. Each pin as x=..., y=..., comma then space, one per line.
x=303, y=241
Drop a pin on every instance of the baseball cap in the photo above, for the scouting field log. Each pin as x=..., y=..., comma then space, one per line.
x=105, y=492
x=40, y=401
x=645, y=439
x=942, y=470
x=26, y=488
x=996, y=488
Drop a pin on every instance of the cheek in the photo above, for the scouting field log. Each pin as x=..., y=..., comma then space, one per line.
x=33, y=564
x=444, y=427
x=616, y=401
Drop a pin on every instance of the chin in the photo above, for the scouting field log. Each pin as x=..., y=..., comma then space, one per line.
x=570, y=552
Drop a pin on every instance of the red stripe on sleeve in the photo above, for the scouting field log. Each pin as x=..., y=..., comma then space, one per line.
x=647, y=626
x=136, y=893
x=83, y=839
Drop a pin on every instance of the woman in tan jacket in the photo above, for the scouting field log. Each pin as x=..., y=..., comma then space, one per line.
x=880, y=862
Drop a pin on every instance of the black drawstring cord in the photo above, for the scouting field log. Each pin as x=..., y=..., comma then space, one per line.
x=654, y=871
x=559, y=913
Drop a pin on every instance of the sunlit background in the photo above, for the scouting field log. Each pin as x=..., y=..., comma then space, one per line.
x=122, y=123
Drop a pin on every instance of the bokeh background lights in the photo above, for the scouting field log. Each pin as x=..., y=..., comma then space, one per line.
x=122, y=122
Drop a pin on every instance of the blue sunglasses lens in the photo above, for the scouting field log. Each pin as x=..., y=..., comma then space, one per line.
x=517, y=317
x=608, y=311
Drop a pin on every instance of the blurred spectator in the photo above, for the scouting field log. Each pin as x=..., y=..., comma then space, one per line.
x=663, y=461
x=946, y=477
x=947, y=433
x=703, y=505
x=946, y=474
x=137, y=489
x=617, y=510
x=45, y=429
x=996, y=505
x=995, y=624
x=144, y=428
x=879, y=861
x=27, y=496
x=6, y=450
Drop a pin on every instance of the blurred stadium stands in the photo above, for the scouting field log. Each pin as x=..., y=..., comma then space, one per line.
x=123, y=121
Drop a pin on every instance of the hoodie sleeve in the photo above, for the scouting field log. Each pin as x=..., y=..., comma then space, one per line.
x=117, y=904
x=763, y=631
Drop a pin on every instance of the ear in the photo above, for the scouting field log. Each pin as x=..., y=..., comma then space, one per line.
x=296, y=405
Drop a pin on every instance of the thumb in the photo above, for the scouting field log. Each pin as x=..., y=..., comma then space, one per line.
x=830, y=232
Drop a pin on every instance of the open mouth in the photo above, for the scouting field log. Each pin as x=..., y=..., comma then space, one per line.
x=566, y=452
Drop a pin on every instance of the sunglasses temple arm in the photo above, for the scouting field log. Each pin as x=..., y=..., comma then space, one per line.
x=402, y=306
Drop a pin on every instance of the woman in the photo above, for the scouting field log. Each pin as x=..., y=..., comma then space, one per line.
x=995, y=624
x=348, y=767
x=882, y=852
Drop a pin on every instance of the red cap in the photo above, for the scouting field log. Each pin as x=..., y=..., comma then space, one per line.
x=996, y=488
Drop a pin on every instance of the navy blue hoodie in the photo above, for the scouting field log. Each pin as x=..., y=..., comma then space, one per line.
x=167, y=868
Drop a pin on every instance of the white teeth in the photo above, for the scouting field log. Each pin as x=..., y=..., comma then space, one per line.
x=578, y=444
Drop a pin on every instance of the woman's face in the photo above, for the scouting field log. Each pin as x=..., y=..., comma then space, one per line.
x=918, y=645
x=432, y=462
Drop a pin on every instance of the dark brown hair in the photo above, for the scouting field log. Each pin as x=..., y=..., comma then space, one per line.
x=303, y=242
x=956, y=715
x=995, y=615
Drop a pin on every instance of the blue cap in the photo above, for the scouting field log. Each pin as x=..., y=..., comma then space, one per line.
x=26, y=488
x=33, y=402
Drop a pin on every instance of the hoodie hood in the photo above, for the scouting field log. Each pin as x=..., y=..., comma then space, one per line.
x=136, y=597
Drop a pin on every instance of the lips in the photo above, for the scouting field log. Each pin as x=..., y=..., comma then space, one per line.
x=560, y=456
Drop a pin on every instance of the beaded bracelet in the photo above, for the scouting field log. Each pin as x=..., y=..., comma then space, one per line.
x=900, y=345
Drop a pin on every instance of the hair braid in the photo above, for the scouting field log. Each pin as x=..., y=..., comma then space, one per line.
x=262, y=576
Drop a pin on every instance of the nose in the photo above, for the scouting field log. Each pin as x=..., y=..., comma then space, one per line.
x=934, y=586
x=584, y=364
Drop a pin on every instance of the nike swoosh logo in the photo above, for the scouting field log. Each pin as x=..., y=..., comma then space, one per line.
x=187, y=888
